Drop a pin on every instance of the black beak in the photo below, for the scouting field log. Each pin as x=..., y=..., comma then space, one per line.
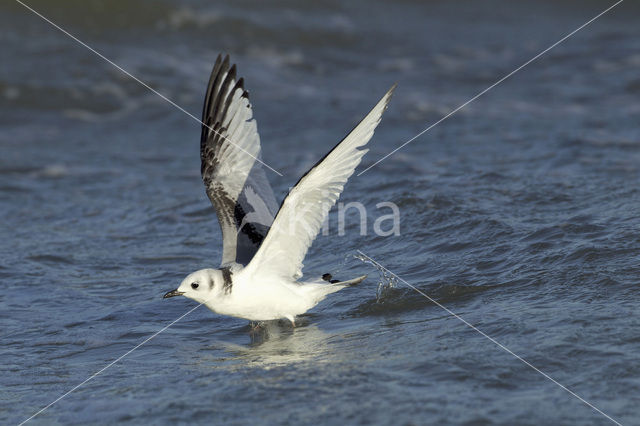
x=173, y=293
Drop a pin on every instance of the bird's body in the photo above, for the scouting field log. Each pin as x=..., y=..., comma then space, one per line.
x=264, y=247
x=270, y=298
x=232, y=291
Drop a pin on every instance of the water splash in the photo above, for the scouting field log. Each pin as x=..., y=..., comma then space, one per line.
x=386, y=282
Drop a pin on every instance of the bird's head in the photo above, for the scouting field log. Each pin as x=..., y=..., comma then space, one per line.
x=201, y=286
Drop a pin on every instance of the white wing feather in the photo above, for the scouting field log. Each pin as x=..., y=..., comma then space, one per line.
x=305, y=208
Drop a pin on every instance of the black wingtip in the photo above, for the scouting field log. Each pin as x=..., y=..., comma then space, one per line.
x=240, y=86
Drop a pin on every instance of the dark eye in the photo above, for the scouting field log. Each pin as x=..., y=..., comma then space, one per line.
x=194, y=285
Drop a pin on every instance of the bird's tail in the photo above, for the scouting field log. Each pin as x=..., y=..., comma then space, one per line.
x=328, y=277
x=319, y=290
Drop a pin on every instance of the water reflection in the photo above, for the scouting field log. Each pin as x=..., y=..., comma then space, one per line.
x=276, y=344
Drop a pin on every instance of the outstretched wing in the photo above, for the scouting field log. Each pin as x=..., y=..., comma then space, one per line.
x=305, y=208
x=231, y=169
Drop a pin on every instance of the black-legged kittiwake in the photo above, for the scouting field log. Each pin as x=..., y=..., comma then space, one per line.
x=263, y=247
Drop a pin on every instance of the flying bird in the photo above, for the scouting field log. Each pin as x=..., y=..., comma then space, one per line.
x=263, y=246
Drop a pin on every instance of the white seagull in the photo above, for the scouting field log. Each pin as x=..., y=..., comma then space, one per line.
x=263, y=247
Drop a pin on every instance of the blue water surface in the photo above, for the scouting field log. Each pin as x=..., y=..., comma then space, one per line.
x=520, y=213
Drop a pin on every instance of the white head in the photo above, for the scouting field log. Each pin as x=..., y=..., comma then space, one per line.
x=201, y=286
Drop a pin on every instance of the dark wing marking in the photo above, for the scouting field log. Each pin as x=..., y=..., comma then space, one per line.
x=235, y=182
x=227, y=279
